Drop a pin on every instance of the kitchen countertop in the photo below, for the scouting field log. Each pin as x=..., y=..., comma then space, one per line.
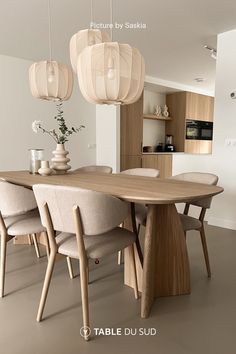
x=162, y=153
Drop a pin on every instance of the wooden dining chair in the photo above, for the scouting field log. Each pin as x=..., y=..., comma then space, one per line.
x=18, y=217
x=88, y=224
x=87, y=169
x=139, y=210
x=95, y=168
x=191, y=223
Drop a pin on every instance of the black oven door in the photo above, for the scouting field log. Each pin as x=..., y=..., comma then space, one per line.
x=206, y=131
x=192, y=130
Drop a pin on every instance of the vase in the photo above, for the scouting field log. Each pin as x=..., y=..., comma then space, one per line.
x=59, y=161
x=45, y=169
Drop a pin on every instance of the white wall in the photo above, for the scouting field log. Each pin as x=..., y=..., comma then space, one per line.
x=108, y=136
x=153, y=131
x=18, y=110
x=223, y=160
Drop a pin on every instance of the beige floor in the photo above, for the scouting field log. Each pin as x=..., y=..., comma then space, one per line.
x=203, y=322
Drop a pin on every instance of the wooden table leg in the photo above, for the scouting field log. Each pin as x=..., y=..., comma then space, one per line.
x=166, y=266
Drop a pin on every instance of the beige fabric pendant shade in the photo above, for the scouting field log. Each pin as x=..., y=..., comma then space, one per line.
x=83, y=39
x=50, y=80
x=111, y=73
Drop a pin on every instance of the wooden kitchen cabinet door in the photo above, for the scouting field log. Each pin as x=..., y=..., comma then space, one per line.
x=198, y=146
x=199, y=107
x=163, y=163
x=131, y=128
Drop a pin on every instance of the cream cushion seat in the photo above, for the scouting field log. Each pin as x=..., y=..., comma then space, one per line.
x=190, y=223
x=25, y=224
x=94, y=169
x=142, y=172
x=96, y=246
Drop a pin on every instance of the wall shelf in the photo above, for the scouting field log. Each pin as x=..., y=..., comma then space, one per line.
x=154, y=117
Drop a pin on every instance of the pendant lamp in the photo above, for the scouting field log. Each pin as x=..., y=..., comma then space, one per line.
x=50, y=80
x=111, y=73
x=85, y=38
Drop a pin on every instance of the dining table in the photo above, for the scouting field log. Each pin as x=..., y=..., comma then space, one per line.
x=165, y=268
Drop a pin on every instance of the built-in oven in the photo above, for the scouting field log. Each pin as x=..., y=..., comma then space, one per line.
x=199, y=130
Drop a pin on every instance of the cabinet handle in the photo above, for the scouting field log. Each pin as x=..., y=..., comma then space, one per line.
x=141, y=147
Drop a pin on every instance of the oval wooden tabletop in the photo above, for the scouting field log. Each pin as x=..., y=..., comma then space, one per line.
x=131, y=188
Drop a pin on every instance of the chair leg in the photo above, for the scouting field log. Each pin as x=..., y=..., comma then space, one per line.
x=119, y=257
x=133, y=265
x=205, y=251
x=36, y=246
x=3, y=262
x=47, y=244
x=139, y=249
x=88, y=272
x=30, y=240
x=46, y=284
x=69, y=266
x=138, y=228
x=84, y=296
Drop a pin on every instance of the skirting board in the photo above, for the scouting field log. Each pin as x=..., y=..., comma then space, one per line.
x=227, y=224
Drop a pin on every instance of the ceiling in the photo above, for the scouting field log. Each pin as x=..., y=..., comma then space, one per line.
x=172, y=44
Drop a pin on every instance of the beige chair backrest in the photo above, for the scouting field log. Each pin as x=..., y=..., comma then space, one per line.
x=199, y=177
x=143, y=172
x=99, y=212
x=15, y=200
x=96, y=168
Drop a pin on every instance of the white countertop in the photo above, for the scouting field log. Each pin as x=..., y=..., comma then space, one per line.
x=162, y=153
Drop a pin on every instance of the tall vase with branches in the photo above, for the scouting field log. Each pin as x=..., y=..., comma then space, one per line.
x=60, y=135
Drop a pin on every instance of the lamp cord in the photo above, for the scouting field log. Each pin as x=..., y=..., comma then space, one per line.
x=50, y=30
x=91, y=13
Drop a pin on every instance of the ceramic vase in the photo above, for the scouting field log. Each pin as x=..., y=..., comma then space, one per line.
x=45, y=169
x=59, y=161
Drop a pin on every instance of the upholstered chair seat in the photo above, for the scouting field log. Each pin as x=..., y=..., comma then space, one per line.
x=94, y=169
x=190, y=223
x=142, y=172
x=25, y=224
x=95, y=246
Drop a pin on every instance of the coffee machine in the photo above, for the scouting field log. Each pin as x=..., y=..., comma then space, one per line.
x=169, y=147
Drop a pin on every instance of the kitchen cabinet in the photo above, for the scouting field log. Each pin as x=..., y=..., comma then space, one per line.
x=162, y=162
x=176, y=103
x=131, y=128
x=199, y=107
x=188, y=105
x=198, y=146
x=131, y=134
x=128, y=161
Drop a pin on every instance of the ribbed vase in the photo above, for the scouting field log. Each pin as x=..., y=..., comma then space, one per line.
x=60, y=161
